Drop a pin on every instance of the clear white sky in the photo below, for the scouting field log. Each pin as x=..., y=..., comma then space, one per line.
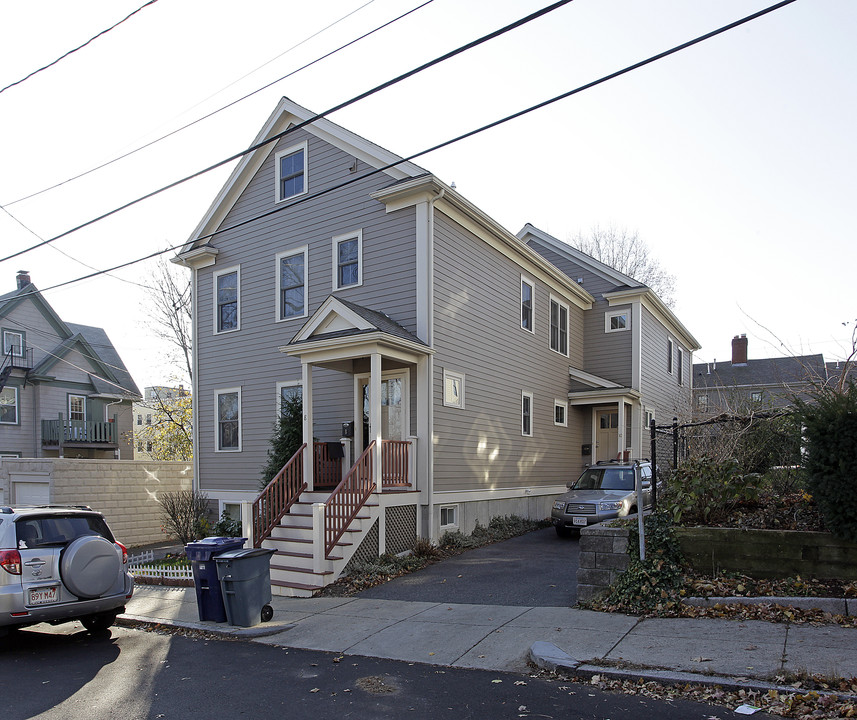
x=735, y=160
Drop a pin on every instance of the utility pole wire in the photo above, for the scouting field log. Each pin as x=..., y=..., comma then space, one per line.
x=506, y=119
x=79, y=47
x=294, y=128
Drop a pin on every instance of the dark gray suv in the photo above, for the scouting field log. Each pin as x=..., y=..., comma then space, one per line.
x=59, y=564
x=604, y=491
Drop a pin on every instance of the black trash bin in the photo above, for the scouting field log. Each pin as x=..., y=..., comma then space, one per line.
x=245, y=581
x=209, y=598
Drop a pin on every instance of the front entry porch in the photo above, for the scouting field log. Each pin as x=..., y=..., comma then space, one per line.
x=616, y=424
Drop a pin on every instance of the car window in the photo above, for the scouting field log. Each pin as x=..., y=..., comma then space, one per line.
x=590, y=480
x=618, y=479
x=58, y=530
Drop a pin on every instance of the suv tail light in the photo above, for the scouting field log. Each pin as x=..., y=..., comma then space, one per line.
x=124, y=553
x=10, y=561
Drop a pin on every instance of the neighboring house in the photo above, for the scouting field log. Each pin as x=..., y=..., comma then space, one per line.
x=743, y=386
x=64, y=391
x=461, y=373
x=145, y=414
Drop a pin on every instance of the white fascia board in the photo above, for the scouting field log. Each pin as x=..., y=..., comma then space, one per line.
x=287, y=113
x=348, y=347
x=606, y=396
x=650, y=300
x=200, y=257
x=331, y=306
x=578, y=256
x=466, y=214
x=592, y=380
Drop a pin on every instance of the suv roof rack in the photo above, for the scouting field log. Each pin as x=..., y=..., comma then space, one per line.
x=6, y=510
x=59, y=507
x=622, y=462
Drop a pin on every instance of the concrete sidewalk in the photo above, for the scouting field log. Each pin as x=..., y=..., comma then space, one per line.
x=498, y=637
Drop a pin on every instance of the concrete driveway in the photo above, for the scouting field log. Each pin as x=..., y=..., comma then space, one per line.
x=538, y=569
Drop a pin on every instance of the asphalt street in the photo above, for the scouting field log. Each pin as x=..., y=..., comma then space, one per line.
x=538, y=569
x=63, y=673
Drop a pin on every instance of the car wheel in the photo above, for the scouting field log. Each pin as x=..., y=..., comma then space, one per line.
x=89, y=566
x=99, y=622
x=267, y=613
x=563, y=532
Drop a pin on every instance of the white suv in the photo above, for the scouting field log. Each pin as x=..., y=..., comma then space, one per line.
x=59, y=564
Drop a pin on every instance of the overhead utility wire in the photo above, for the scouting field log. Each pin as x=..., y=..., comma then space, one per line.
x=294, y=128
x=506, y=119
x=79, y=47
x=228, y=105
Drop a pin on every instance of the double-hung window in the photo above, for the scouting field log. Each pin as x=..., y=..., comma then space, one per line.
x=528, y=292
x=9, y=405
x=670, y=356
x=560, y=413
x=287, y=392
x=680, y=364
x=527, y=414
x=347, y=260
x=77, y=407
x=13, y=343
x=291, y=165
x=228, y=418
x=559, y=327
x=226, y=291
x=291, y=281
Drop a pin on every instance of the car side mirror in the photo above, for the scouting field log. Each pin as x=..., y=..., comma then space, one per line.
x=647, y=483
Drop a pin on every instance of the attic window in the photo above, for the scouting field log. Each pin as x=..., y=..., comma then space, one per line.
x=291, y=167
x=616, y=321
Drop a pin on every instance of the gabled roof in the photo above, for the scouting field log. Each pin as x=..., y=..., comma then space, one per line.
x=758, y=373
x=287, y=114
x=109, y=375
x=338, y=318
x=626, y=288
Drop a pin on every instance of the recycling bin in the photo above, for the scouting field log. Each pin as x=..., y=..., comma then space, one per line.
x=245, y=582
x=209, y=598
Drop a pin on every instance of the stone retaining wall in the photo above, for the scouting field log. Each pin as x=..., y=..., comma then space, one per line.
x=603, y=558
x=126, y=491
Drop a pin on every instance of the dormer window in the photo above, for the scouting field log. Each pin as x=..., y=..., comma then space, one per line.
x=291, y=165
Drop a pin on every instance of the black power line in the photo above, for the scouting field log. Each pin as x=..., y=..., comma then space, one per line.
x=79, y=47
x=225, y=107
x=294, y=128
x=446, y=143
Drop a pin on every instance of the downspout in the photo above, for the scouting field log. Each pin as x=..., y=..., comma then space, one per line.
x=195, y=380
x=116, y=429
x=429, y=441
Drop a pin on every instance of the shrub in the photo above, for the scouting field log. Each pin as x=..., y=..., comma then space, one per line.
x=184, y=515
x=830, y=432
x=702, y=490
x=425, y=548
x=286, y=439
x=226, y=526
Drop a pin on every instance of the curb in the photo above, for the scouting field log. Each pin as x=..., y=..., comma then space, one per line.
x=213, y=628
x=834, y=606
x=548, y=656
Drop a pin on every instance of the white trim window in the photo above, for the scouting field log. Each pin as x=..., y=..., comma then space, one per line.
x=348, y=260
x=617, y=321
x=291, y=284
x=287, y=390
x=453, y=389
x=13, y=342
x=670, y=353
x=526, y=414
x=9, y=405
x=291, y=172
x=77, y=407
x=560, y=413
x=448, y=516
x=227, y=420
x=680, y=363
x=227, y=291
x=528, y=304
x=648, y=416
x=558, y=326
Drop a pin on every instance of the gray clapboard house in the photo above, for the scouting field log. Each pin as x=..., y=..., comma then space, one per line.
x=441, y=360
x=64, y=390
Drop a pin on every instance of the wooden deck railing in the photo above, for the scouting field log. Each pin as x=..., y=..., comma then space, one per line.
x=278, y=496
x=395, y=463
x=60, y=432
x=350, y=495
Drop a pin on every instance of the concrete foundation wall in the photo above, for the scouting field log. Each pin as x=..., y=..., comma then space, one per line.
x=125, y=491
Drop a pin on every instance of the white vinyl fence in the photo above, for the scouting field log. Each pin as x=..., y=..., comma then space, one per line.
x=143, y=566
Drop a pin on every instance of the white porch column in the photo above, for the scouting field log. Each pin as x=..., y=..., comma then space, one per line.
x=318, y=537
x=306, y=379
x=623, y=441
x=375, y=417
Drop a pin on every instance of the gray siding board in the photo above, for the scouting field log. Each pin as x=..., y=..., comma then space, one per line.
x=477, y=332
x=608, y=355
x=249, y=357
x=661, y=392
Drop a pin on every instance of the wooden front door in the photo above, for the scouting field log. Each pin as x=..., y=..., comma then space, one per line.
x=606, y=434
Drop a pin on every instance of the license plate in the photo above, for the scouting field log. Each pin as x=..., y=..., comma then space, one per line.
x=44, y=595
x=578, y=521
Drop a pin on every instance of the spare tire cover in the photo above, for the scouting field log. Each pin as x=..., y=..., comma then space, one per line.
x=90, y=566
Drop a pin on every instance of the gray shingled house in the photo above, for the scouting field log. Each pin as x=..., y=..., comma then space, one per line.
x=64, y=390
x=450, y=370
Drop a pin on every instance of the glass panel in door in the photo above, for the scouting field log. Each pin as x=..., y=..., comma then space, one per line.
x=392, y=410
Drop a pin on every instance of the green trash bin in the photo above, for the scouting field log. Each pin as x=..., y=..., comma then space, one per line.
x=245, y=583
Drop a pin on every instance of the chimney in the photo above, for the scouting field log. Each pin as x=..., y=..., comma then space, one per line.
x=739, y=350
x=23, y=279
